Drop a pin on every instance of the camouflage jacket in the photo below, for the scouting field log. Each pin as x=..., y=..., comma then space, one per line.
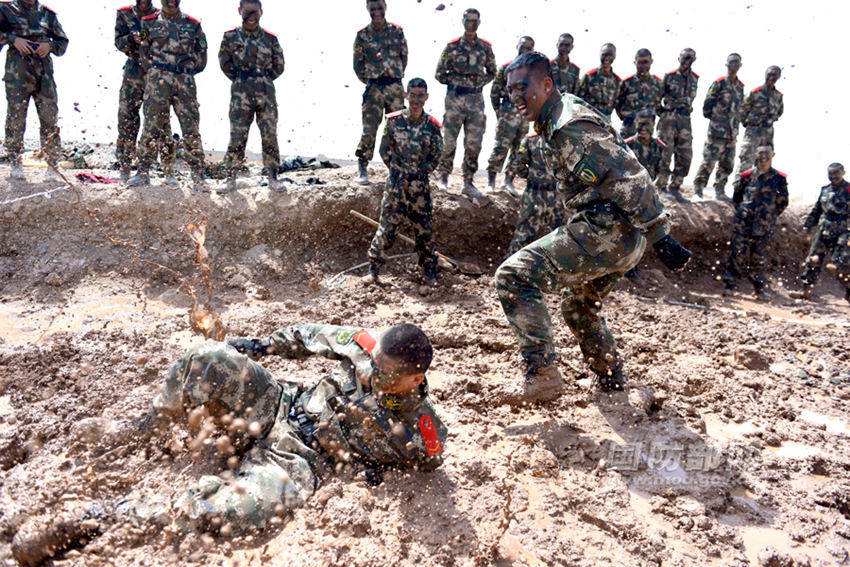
x=762, y=108
x=248, y=56
x=128, y=20
x=759, y=199
x=599, y=91
x=649, y=155
x=499, y=93
x=610, y=178
x=466, y=64
x=38, y=23
x=411, y=148
x=722, y=107
x=380, y=53
x=346, y=417
x=566, y=78
x=531, y=161
x=638, y=93
x=831, y=213
x=176, y=44
x=679, y=91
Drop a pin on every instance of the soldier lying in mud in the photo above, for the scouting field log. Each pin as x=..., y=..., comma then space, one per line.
x=374, y=409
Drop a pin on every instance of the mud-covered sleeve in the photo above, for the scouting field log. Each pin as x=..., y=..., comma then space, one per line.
x=225, y=58
x=124, y=36
x=710, y=99
x=522, y=160
x=387, y=144
x=278, y=62
x=782, y=198
x=58, y=39
x=300, y=341
x=200, y=50
x=813, y=218
x=360, y=59
x=442, y=74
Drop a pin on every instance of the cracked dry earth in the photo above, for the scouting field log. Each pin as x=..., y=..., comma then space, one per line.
x=733, y=450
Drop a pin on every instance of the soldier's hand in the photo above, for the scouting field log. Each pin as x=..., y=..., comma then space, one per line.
x=673, y=255
x=43, y=49
x=23, y=46
x=252, y=348
x=137, y=37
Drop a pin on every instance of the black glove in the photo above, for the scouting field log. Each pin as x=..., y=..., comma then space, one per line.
x=673, y=255
x=253, y=348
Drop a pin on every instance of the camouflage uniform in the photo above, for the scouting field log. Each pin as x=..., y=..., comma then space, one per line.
x=831, y=242
x=465, y=67
x=128, y=21
x=380, y=58
x=541, y=207
x=411, y=151
x=674, y=126
x=511, y=127
x=649, y=155
x=759, y=199
x=616, y=213
x=760, y=110
x=566, y=78
x=172, y=52
x=252, y=61
x=599, y=90
x=338, y=419
x=30, y=77
x=637, y=93
x=722, y=107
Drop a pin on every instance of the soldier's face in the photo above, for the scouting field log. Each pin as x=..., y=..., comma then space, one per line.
x=643, y=65
x=772, y=76
x=733, y=64
x=764, y=158
x=607, y=59
x=170, y=6
x=686, y=59
x=525, y=45
x=388, y=379
x=835, y=174
x=565, y=46
x=644, y=129
x=471, y=23
x=416, y=97
x=143, y=5
x=377, y=11
x=528, y=92
x=251, y=16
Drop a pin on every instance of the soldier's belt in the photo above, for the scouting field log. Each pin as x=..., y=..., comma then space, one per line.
x=383, y=81
x=679, y=111
x=253, y=74
x=401, y=176
x=460, y=91
x=177, y=69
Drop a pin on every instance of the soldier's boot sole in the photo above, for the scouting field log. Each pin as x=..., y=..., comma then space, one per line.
x=543, y=386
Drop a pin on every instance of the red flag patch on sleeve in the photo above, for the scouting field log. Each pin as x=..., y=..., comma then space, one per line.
x=429, y=435
x=366, y=341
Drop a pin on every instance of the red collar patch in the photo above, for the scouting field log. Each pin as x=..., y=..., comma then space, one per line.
x=366, y=341
x=429, y=435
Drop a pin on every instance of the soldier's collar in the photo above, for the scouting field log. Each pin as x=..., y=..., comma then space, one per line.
x=416, y=121
x=406, y=403
x=548, y=114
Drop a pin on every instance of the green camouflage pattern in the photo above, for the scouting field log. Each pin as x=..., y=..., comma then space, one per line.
x=128, y=20
x=722, y=107
x=469, y=65
x=565, y=76
x=411, y=151
x=338, y=419
x=511, y=128
x=252, y=61
x=720, y=152
x=761, y=108
x=172, y=52
x=30, y=77
x=759, y=199
x=600, y=90
x=674, y=127
x=379, y=55
x=830, y=218
x=615, y=213
x=648, y=154
x=638, y=92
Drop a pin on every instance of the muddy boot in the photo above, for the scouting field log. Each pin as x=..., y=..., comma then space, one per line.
x=42, y=538
x=124, y=173
x=720, y=195
x=509, y=186
x=760, y=292
x=470, y=190
x=698, y=192
x=430, y=274
x=362, y=173
x=611, y=381
x=16, y=173
x=275, y=184
x=199, y=183
x=170, y=180
x=806, y=293
x=677, y=194
x=374, y=271
x=542, y=383
x=443, y=182
x=141, y=179
x=491, y=180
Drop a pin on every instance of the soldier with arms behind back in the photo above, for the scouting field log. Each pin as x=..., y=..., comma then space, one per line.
x=565, y=72
x=762, y=107
x=641, y=91
x=599, y=87
x=674, y=123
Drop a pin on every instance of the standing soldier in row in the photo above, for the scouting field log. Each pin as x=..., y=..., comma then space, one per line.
x=599, y=87
x=829, y=223
x=173, y=51
x=761, y=194
x=411, y=148
x=33, y=34
x=564, y=71
x=647, y=148
x=380, y=58
x=511, y=128
x=466, y=65
x=674, y=125
x=252, y=59
x=128, y=37
x=723, y=108
x=639, y=92
x=762, y=107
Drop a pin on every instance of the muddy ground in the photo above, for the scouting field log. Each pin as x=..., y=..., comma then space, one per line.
x=745, y=463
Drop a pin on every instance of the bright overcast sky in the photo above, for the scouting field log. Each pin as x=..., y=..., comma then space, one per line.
x=319, y=95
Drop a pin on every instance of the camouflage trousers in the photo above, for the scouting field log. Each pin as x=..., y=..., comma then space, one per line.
x=377, y=100
x=511, y=130
x=747, y=257
x=39, y=86
x=583, y=259
x=276, y=475
x=720, y=151
x=164, y=90
x=465, y=111
x=828, y=247
x=675, y=131
x=541, y=208
x=129, y=105
x=254, y=97
x=754, y=136
x=411, y=200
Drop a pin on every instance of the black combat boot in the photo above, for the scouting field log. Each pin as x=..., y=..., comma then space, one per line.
x=491, y=180
x=612, y=380
x=430, y=274
x=362, y=173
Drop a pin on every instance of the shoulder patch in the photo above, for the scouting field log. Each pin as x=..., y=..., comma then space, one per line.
x=366, y=341
x=434, y=121
x=396, y=25
x=616, y=76
x=781, y=173
x=344, y=337
x=231, y=31
x=586, y=173
x=694, y=74
x=673, y=72
x=576, y=66
x=151, y=16
x=551, y=61
x=429, y=436
x=660, y=141
x=455, y=40
x=533, y=135
x=48, y=8
x=720, y=80
x=778, y=91
x=394, y=114
x=657, y=77
x=362, y=29
x=629, y=140
x=747, y=173
x=268, y=32
x=191, y=19
x=125, y=8
x=755, y=90
x=592, y=71
x=508, y=63
x=485, y=41
x=629, y=78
